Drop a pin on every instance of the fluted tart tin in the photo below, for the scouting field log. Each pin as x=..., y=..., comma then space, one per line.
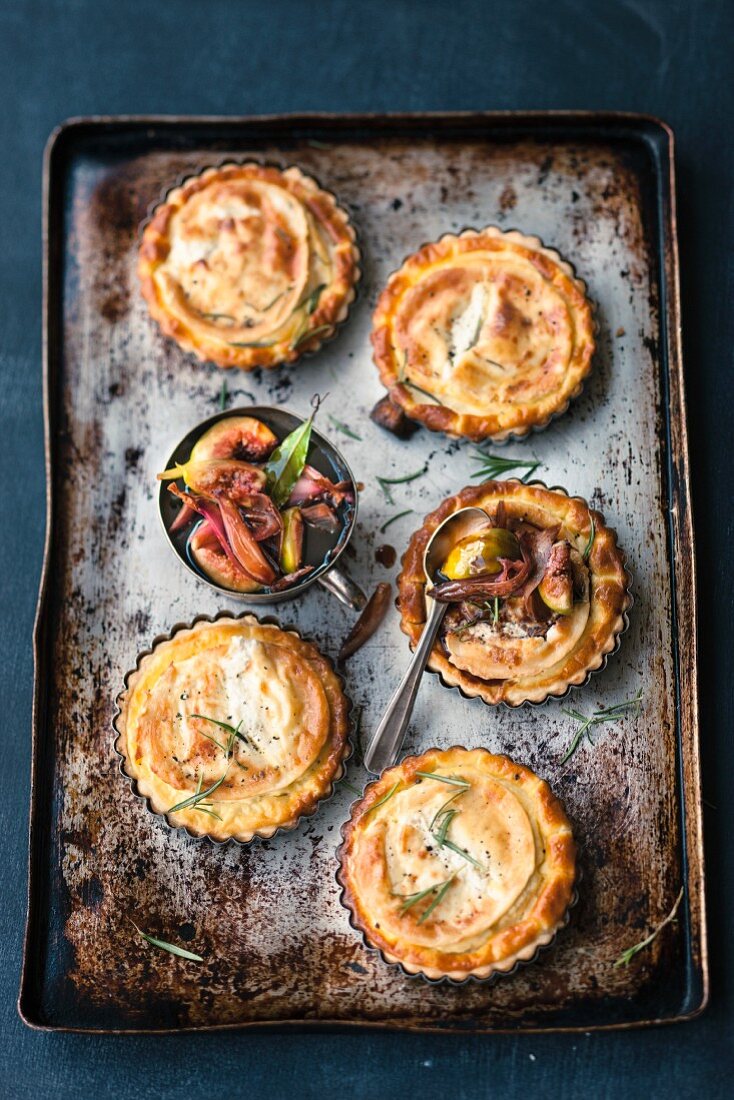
x=171, y=653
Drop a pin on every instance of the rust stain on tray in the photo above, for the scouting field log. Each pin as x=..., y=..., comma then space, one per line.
x=276, y=942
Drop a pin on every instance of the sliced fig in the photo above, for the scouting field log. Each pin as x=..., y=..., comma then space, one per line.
x=556, y=587
x=240, y=437
x=220, y=475
x=392, y=418
x=208, y=555
x=481, y=553
x=291, y=550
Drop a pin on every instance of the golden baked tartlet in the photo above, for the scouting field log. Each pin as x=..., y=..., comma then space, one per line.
x=458, y=863
x=249, y=266
x=484, y=335
x=536, y=601
x=233, y=728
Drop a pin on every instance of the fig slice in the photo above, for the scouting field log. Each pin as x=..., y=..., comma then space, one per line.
x=244, y=544
x=218, y=568
x=240, y=437
x=219, y=475
x=556, y=587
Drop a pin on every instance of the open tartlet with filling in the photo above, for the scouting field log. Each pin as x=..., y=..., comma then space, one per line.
x=233, y=728
x=484, y=335
x=249, y=266
x=457, y=863
x=537, y=600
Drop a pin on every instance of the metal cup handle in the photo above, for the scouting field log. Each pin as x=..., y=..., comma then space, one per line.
x=341, y=585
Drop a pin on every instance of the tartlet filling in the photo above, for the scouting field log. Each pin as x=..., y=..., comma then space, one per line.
x=519, y=596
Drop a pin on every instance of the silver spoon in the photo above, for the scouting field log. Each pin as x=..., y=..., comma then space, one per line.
x=387, y=739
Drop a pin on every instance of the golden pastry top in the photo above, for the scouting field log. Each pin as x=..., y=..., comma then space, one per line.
x=458, y=862
x=243, y=710
x=247, y=265
x=484, y=335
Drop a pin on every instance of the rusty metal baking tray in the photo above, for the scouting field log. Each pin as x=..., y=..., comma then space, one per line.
x=279, y=949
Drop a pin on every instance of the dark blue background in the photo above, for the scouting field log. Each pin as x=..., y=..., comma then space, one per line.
x=671, y=58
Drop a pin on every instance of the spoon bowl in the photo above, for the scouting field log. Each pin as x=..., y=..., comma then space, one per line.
x=467, y=521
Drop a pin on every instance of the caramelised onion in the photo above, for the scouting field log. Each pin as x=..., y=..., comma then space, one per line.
x=185, y=515
x=321, y=515
x=209, y=509
x=484, y=585
x=291, y=578
x=263, y=517
x=312, y=485
x=374, y=612
x=536, y=545
x=244, y=544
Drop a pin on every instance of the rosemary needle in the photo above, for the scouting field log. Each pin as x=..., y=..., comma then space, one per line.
x=344, y=428
x=388, y=522
x=171, y=948
x=626, y=957
x=386, y=482
x=494, y=466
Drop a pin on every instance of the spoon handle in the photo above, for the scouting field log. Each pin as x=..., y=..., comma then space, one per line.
x=387, y=739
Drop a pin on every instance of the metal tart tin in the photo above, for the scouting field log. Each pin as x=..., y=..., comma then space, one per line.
x=263, y=834
x=502, y=439
x=517, y=963
x=329, y=460
x=589, y=672
x=351, y=297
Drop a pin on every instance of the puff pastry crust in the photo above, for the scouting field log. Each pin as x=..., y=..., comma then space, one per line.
x=483, y=335
x=509, y=864
x=278, y=691
x=504, y=662
x=249, y=266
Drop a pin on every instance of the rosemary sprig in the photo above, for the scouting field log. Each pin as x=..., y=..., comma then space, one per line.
x=446, y=843
x=626, y=957
x=601, y=714
x=384, y=799
x=344, y=428
x=223, y=395
x=436, y=901
x=232, y=730
x=171, y=948
x=452, y=780
x=318, y=331
x=592, y=536
x=350, y=787
x=386, y=524
x=312, y=300
x=412, y=899
x=442, y=809
x=199, y=796
x=445, y=820
x=201, y=807
x=386, y=482
x=494, y=466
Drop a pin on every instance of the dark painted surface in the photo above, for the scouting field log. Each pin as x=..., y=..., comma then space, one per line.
x=80, y=57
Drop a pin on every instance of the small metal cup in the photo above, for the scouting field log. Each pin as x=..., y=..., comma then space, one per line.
x=329, y=461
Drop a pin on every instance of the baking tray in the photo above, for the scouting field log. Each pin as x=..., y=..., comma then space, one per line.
x=279, y=949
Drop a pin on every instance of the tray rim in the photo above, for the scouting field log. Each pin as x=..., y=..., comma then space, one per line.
x=684, y=629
